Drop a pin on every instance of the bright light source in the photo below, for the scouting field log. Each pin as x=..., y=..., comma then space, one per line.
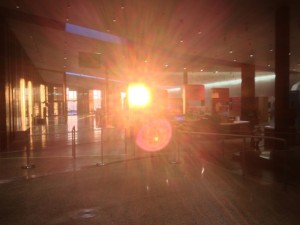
x=138, y=95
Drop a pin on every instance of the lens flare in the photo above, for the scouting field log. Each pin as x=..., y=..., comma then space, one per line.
x=138, y=95
x=154, y=135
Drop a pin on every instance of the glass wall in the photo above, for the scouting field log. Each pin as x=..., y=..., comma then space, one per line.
x=20, y=95
x=72, y=102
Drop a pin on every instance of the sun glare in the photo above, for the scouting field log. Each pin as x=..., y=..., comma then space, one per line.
x=138, y=95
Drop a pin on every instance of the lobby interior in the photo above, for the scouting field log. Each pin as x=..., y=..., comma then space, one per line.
x=217, y=144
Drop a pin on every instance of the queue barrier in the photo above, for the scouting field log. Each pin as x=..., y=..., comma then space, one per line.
x=175, y=147
x=28, y=164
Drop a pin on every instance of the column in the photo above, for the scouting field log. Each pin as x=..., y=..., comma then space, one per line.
x=282, y=50
x=50, y=100
x=65, y=110
x=3, y=128
x=184, y=98
x=82, y=101
x=248, y=107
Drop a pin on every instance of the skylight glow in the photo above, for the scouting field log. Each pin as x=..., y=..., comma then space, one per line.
x=93, y=77
x=90, y=33
x=238, y=81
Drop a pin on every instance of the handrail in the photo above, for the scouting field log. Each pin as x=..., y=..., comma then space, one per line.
x=232, y=134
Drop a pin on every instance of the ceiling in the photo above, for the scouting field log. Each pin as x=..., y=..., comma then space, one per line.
x=152, y=40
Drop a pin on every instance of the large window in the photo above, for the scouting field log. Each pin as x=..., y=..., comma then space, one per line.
x=97, y=99
x=72, y=101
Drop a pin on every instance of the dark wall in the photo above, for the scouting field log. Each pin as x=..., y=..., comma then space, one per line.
x=14, y=65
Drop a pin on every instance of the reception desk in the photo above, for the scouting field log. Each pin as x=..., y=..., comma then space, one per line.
x=210, y=126
x=236, y=127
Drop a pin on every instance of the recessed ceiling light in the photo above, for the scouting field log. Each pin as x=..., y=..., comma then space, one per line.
x=271, y=49
x=290, y=53
x=251, y=55
x=234, y=60
x=184, y=68
x=230, y=51
x=201, y=70
x=181, y=41
x=269, y=65
x=98, y=53
x=166, y=65
x=200, y=32
x=17, y=6
x=114, y=20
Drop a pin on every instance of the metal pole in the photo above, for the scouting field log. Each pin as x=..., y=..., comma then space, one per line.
x=125, y=141
x=28, y=164
x=223, y=145
x=177, y=145
x=101, y=163
x=73, y=143
x=285, y=165
x=244, y=157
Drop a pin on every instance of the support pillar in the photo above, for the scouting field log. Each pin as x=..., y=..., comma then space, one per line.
x=82, y=101
x=105, y=102
x=184, y=96
x=248, y=106
x=3, y=128
x=50, y=100
x=65, y=111
x=282, y=64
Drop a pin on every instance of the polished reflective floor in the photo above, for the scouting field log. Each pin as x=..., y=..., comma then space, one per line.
x=184, y=183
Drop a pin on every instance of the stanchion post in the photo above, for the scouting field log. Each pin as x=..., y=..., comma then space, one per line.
x=28, y=164
x=101, y=163
x=244, y=156
x=177, y=145
x=285, y=165
x=125, y=140
x=73, y=143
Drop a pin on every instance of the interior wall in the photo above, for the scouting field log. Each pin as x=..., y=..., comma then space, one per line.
x=18, y=79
